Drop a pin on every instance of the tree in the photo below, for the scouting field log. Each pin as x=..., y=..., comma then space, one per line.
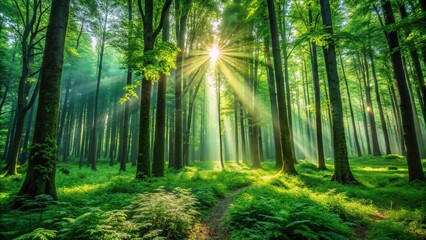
x=29, y=25
x=182, y=8
x=315, y=76
x=415, y=170
x=101, y=26
x=342, y=170
x=125, y=134
x=288, y=157
x=143, y=168
x=40, y=177
x=158, y=154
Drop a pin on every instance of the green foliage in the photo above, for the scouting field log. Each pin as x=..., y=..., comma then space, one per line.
x=154, y=62
x=267, y=213
x=96, y=224
x=38, y=234
x=392, y=168
x=97, y=206
x=164, y=215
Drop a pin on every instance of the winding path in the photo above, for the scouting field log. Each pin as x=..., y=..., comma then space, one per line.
x=211, y=227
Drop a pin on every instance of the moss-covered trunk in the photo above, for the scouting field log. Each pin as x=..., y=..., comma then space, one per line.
x=40, y=178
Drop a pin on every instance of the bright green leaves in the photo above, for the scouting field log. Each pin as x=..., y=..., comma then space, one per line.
x=150, y=65
x=157, y=61
x=130, y=91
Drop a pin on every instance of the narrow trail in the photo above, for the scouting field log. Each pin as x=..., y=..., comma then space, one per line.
x=210, y=227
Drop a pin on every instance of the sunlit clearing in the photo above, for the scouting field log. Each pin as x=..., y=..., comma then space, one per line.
x=214, y=53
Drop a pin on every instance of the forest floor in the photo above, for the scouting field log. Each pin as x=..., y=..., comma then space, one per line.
x=203, y=202
x=211, y=226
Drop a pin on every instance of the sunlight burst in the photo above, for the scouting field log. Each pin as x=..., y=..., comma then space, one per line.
x=214, y=53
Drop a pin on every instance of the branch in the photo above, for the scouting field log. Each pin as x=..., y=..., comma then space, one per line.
x=380, y=20
x=20, y=12
x=141, y=10
x=38, y=41
x=16, y=30
x=33, y=97
x=163, y=16
x=185, y=91
x=35, y=73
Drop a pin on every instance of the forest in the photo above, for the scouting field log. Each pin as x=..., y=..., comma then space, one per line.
x=212, y=119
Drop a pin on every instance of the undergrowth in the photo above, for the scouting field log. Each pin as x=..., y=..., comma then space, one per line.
x=108, y=204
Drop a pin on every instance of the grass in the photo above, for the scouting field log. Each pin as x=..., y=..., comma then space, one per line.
x=306, y=206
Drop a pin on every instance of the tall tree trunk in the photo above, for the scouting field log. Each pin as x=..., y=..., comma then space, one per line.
x=159, y=142
x=284, y=42
x=357, y=145
x=243, y=134
x=180, y=36
x=364, y=117
x=379, y=102
x=415, y=170
x=416, y=62
x=124, y=158
x=286, y=140
x=24, y=155
x=274, y=107
x=143, y=168
x=222, y=165
x=315, y=76
x=342, y=171
x=40, y=177
x=370, y=109
x=93, y=139
x=237, y=152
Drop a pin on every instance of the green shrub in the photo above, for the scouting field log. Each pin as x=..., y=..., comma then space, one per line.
x=97, y=224
x=267, y=213
x=394, y=156
x=392, y=168
x=164, y=215
x=38, y=234
x=205, y=197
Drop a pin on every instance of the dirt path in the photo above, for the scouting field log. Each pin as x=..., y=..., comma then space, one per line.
x=211, y=227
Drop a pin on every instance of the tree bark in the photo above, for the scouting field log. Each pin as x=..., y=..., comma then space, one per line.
x=288, y=155
x=357, y=145
x=159, y=142
x=143, y=167
x=415, y=170
x=40, y=177
x=274, y=108
x=342, y=171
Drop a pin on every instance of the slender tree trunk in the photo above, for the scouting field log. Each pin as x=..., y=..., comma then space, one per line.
x=418, y=73
x=180, y=36
x=286, y=140
x=158, y=155
x=243, y=134
x=357, y=145
x=222, y=165
x=315, y=76
x=342, y=171
x=24, y=155
x=364, y=117
x=379, y=102
x=415, y=170
x=274, y=107
x=370, y=109
x=237, y=153
x=93, y=139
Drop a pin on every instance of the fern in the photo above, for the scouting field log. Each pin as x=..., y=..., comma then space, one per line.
x=38, y=234
x=162, y=214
